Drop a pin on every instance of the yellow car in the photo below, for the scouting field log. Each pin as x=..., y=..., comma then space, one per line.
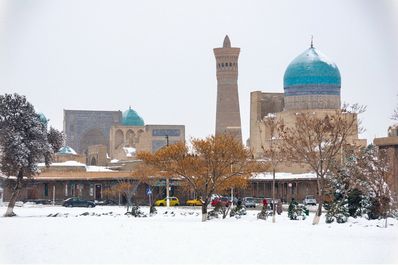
x=194, y=202
x=173, y=202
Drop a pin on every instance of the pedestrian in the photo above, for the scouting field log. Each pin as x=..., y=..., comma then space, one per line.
x=239, y=202
x=265, y=203
x=279, y=207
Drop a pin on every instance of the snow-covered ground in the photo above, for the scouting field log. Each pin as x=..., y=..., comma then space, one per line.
x=106, y=235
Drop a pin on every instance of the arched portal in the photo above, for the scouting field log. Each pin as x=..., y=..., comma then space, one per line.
x=92, y=136
x=119, y=138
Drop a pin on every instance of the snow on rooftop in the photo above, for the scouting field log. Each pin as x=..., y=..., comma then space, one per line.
x=78, y=164
x=98, y=169
x=64, y=164
x=271, y=115
x=130, y=151
x=283, y=175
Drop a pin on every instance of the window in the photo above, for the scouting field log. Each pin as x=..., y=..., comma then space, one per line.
x=91, y=190
x=230, y=64
x=72, y=189
x=45, y=189
x=222, y=64
x=66, y=189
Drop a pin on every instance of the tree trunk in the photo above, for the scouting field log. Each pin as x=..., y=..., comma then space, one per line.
x=273, y=195
x=15, y=194
x=129, y=203
x=204, y=211
x=318, y=213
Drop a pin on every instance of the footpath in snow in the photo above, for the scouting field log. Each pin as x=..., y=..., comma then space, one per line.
x=55, y=234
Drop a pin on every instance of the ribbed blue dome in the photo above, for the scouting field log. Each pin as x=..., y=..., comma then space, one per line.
x=311, y=73
x=131, y=118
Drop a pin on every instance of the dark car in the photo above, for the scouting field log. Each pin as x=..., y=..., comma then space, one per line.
x=106, y=202
x=224, y=201
x=39, y=201
x=77, y=202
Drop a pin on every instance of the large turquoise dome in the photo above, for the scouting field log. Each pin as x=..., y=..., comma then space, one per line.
x=131, y=118
x=312, y=73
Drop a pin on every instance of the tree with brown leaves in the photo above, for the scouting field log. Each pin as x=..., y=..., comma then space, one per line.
x=318, y=140
x=211, y=165
x=128, y=187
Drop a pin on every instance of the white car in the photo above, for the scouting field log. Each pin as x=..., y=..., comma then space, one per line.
x=309, y=200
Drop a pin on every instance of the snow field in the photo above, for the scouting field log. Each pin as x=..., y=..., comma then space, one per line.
x=32, y=237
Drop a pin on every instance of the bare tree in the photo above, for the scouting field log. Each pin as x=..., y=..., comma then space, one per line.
x=273, y=151
x=395, y=114
x=128, y=187
x=373, y=173
x=318, y=140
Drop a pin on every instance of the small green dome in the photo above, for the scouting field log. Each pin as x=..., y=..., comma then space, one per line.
x=66, y=150
x=312, y=73
x=43, y=119
x=131, y=118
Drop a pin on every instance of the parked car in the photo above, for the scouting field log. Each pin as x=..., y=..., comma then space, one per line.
x=249, y=202
x=194, y=202
x=235, y=200
x=224, y=201
x=258, y=201
x=173, y=202
x=106, y=202
x=39, y=201
x=309, y=200
x=77, y=202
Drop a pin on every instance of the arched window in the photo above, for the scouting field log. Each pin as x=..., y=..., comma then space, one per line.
x=130, y=135
x=119, y=138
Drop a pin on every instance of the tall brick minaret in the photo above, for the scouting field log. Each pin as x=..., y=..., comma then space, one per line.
x=228, y=113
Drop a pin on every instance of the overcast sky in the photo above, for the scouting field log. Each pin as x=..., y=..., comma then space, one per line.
x=157, y=56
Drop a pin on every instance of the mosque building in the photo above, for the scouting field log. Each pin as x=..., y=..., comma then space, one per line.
x=311, y=83
x=105, y=136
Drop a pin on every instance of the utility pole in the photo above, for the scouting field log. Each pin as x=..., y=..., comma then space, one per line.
x=53, y=194
x=167, y=181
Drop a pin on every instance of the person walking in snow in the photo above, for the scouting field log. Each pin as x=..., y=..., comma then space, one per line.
x=265, y=203
x=279, y=207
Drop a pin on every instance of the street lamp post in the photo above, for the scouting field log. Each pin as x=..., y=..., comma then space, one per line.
x=167, y=181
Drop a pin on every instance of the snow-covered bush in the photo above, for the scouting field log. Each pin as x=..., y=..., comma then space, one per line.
x=136, y=212
x=337, y=210
x=297, y=211
x=152, y=210
x=238, y=211
x=264, y=213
